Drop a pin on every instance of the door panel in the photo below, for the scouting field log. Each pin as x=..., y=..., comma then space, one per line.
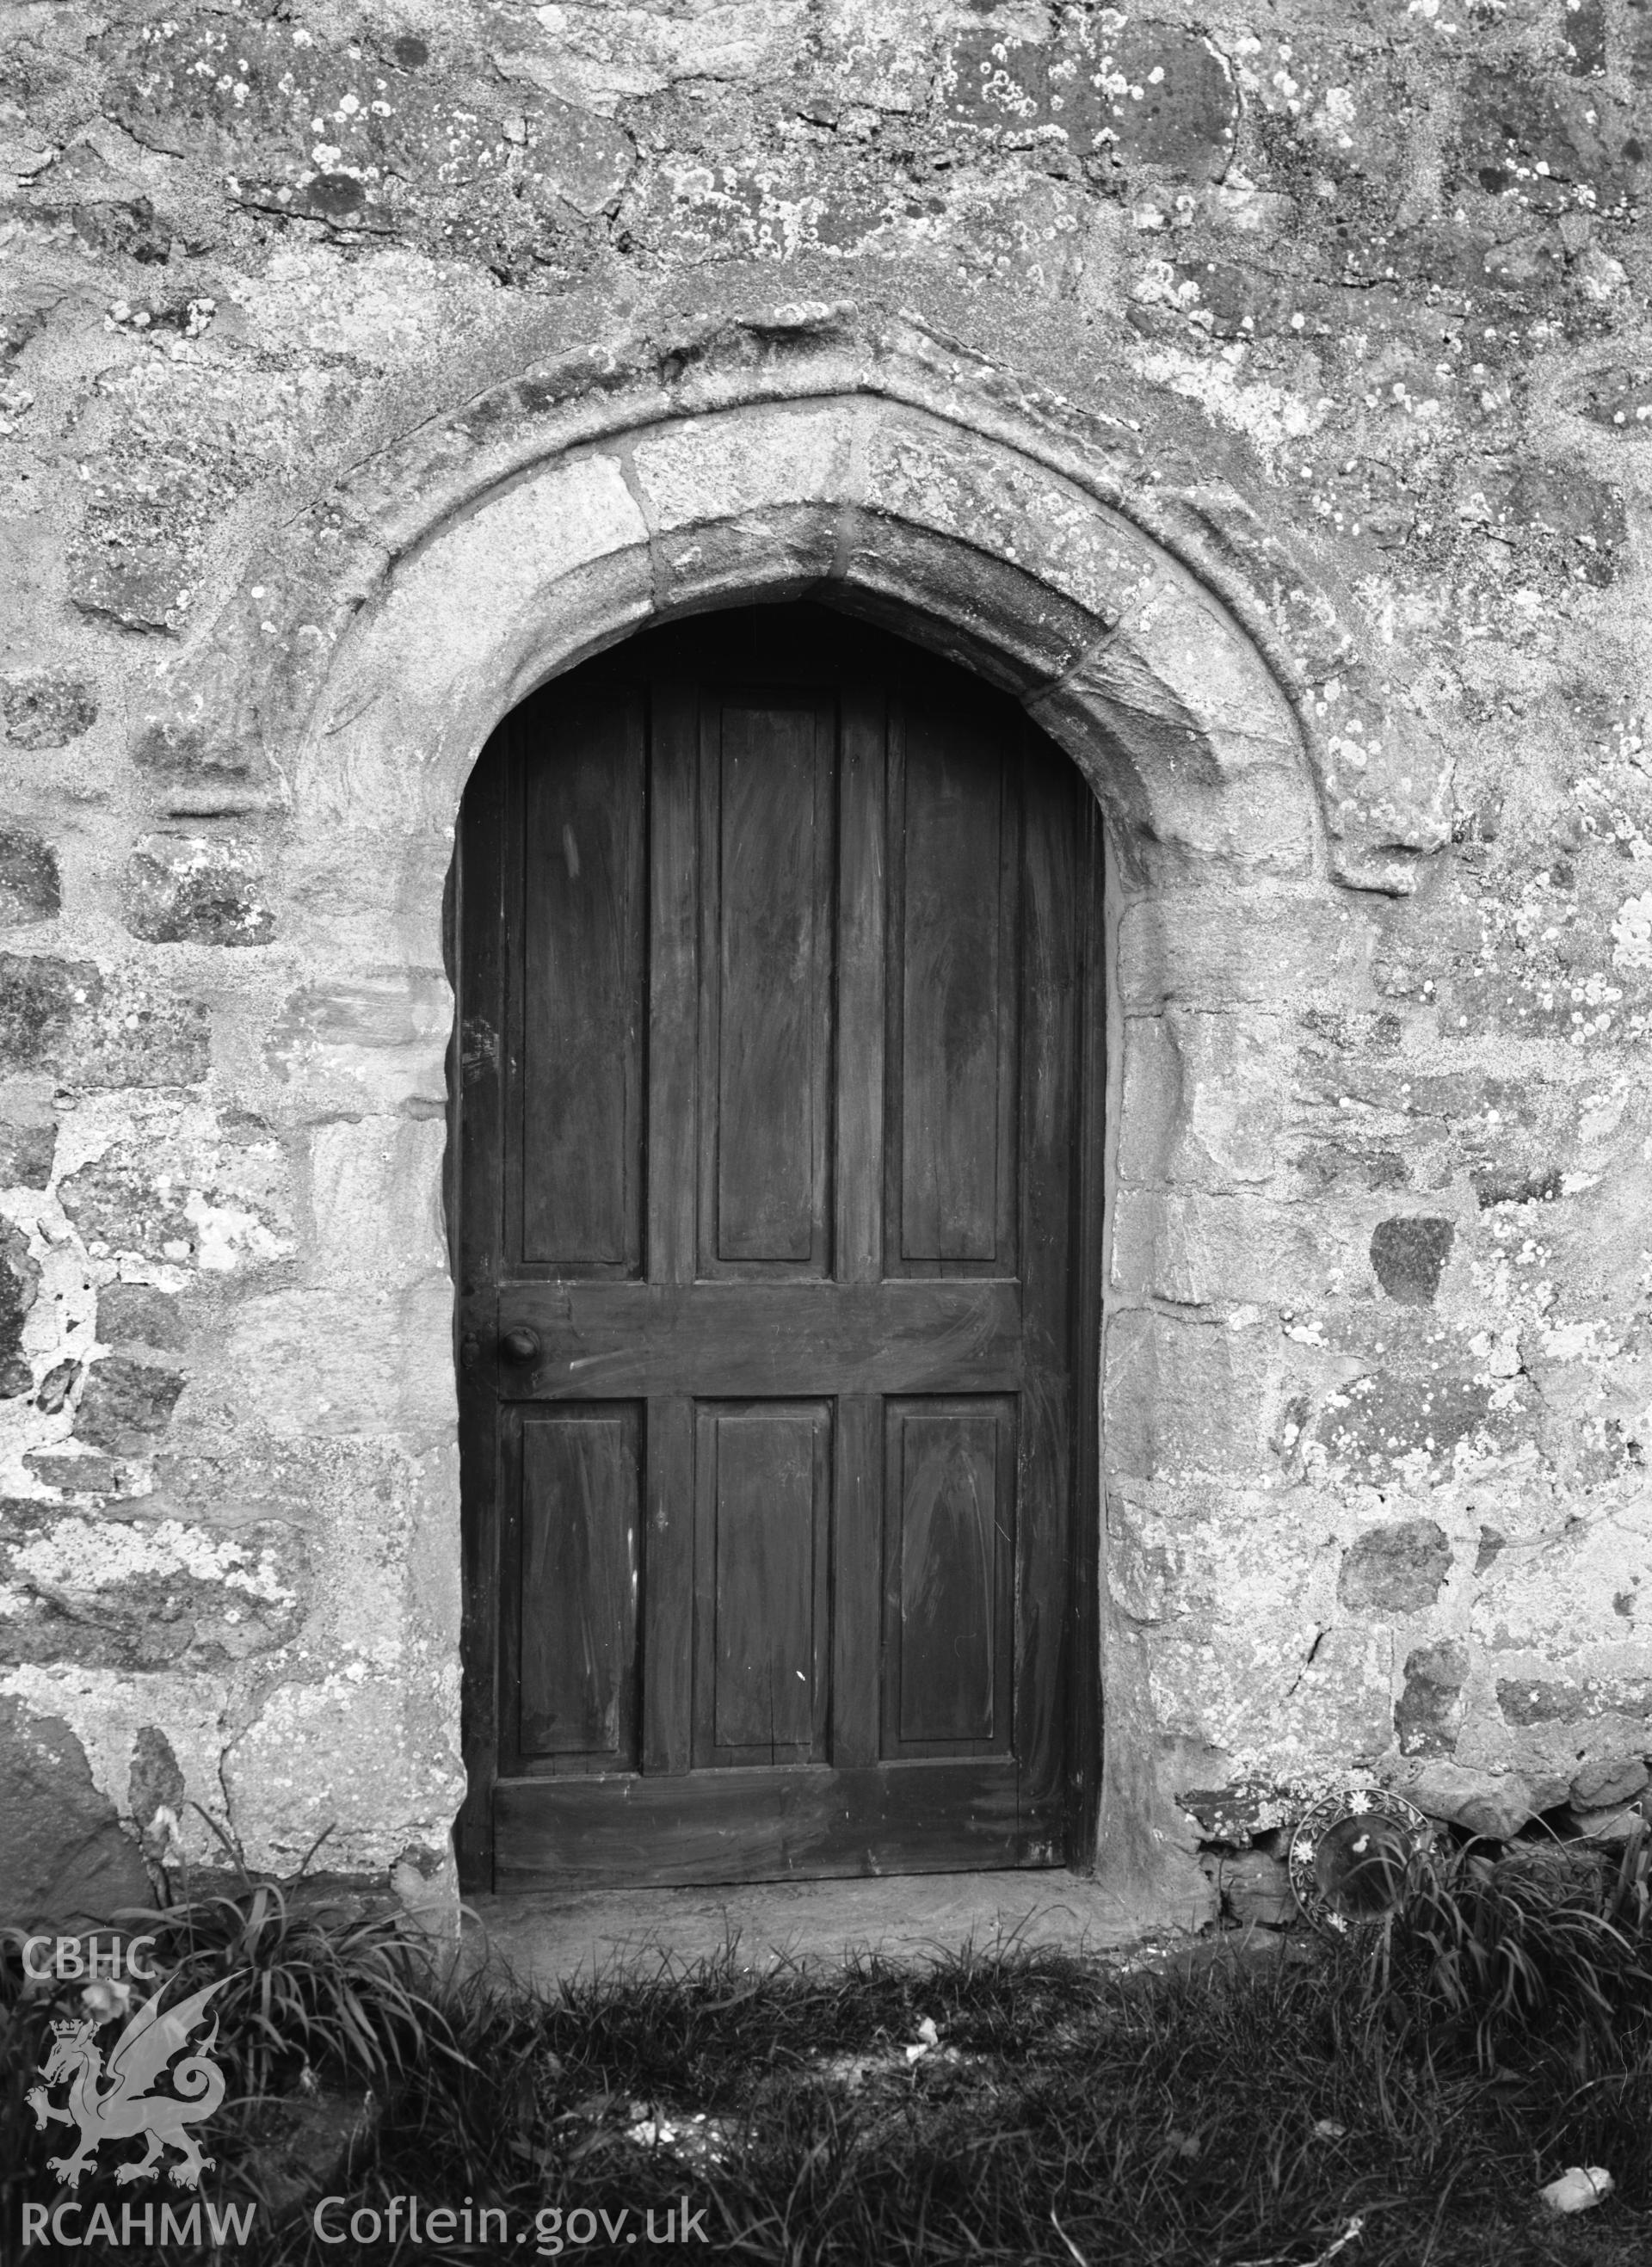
x=955, y=948
x=580, y=1471
x=766, y=1018
x=774, y=1189
x=764, y=1518
x=950, y=1488
x=582, y=925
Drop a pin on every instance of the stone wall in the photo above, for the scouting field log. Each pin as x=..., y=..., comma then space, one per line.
x=1304, y=377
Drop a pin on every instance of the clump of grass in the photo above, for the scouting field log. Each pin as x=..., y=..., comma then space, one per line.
x=1544, y=1944
x=1217, y=2111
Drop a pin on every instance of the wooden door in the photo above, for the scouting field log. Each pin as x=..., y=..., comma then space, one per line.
x=775, y=1223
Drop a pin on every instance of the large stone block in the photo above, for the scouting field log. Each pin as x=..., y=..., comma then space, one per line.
x=1397, y=1568
x=1196, y=1250
x=930, y=476
x=1216, y=947
x=19, y=1287
x=989, y=614
x=375, y=1201
x=1408, y=1256
x=63, y=1856
x=188, y=890
x=98, y=1031
x=30, y=891
x=115, y=1588
x=320, y=1362
x=47, y=708
x=714, y=468
x=125, y=1405
x=1183, y=1397
x=28, y=1138
x=1430, y=1709
x=372, y=1757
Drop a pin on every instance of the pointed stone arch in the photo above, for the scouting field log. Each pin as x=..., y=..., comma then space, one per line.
x=1226, y=706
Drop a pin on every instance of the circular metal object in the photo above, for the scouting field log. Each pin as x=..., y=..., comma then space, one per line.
x=520, y=1344
x=1349, y=1855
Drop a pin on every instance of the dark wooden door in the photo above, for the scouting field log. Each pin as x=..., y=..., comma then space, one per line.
x=774, y=1231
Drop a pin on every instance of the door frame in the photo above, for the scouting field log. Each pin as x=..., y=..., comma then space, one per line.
x=474, y=1081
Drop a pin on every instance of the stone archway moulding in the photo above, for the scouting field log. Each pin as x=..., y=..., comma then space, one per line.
x=1060, y=526
x=1229, y=711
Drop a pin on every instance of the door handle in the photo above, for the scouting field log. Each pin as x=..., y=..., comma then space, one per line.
x=520, y=1344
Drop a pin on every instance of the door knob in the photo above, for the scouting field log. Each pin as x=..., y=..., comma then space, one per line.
x=520, y=1344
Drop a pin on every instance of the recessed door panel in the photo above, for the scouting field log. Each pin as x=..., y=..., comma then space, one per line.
x=580, y=1530
x=949, y=1490
x=579, y=1088
x=767, y=774
x=764, y=1516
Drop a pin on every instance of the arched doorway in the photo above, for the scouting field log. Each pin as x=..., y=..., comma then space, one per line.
x=778, y=1222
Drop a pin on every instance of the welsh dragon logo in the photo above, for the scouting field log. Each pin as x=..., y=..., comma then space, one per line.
x=113, y=2103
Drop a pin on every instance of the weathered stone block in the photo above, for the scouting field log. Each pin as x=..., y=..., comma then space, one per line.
x=1608, y=1781
x=20, y=1285
x=376, y=1201
x=1214, y=947
x=1409, y=1255
x=191, y=891
x=707, y=469
x=1572, y=1700
x=369, y=1043
x=47, y=708
x=135, y=1314
x=767, y=554
x=155, y=1778
x=1255, y=1887
x=1397, y=1568
x=30, y=891
x=63, y=1856
x=142, y=588
x=125, y=1405
x=182, y=1193
x=1430, y=1708
x=64, y=1016
x=1545, y=137
x=1496, y=1804
x=1153, y=93
x=1377, y=1423
x=77, y=1475
x=985, y=612
x=1182, y=1397
x=123, y=229
x=930, y=475
x=27, y=1134
x=1197, y=1250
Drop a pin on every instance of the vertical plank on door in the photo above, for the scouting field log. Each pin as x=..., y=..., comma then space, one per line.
x=858, y=1207
x=765, y=973
x=673, y=980
x=954, y=997
x=763, y=1474
x=668, y=1585
x=579, y=1086
x=857, y=1552
x=581, y=1512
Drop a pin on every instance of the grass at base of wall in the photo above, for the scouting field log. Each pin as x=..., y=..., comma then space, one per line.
x=1391, y=2103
